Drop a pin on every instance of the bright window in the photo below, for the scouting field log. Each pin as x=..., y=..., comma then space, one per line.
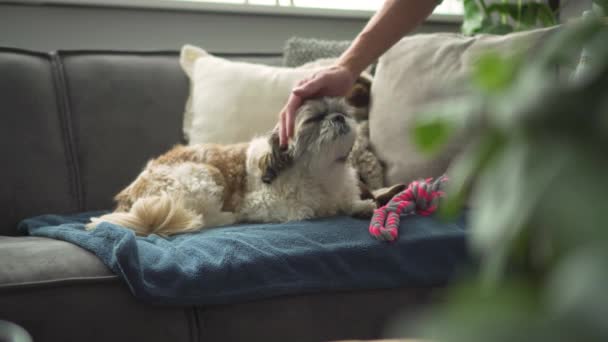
x=447, y=7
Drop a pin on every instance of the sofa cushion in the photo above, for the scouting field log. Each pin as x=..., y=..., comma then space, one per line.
x=56, y=302
x=46, y=285
x=409, y=77
x=36, y=260
x=265, y=58
x=38, y=171
x=232, y=102
x=49, y=285
x=93, y=311
x=299, y=51
x=125, y=109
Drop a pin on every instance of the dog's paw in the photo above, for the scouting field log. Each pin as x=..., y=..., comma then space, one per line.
x=364, y=209
x=384, y=195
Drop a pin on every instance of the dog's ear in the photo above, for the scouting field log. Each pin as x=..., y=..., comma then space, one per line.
x=359, y=97
x=276, y=160
x=360, y=94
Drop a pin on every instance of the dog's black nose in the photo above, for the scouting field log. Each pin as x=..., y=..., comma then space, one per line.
x=339, y=118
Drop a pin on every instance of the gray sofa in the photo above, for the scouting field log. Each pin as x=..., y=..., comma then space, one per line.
x=63, y=118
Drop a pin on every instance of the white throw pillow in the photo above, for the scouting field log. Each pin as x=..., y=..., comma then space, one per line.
x=232, y=102
x=409, y=77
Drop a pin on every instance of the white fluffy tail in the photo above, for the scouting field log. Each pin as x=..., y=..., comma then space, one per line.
x=162, y=215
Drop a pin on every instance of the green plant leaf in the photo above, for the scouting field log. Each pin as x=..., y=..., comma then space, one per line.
x=472, y=315
x=559, y=49
x=440, y=121
x=493, y=72
x=546, y=15
x=479, y=18
x=500, y=29
x=473, y=20
x=510, y=10
x=603, y=4
x=465, y=169
x=529, y=15
x=581, y=179
x=506, y=196
x=577, y=290
x=430, y=136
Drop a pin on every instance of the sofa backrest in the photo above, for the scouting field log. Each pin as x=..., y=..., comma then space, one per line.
x=123, y=109
x=77, y=126
x=38, y=169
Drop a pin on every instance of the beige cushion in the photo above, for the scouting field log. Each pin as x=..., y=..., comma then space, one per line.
x=408, y=76
x=232, y=101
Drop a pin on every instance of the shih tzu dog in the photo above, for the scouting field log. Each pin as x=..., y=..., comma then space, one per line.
x=194, y=187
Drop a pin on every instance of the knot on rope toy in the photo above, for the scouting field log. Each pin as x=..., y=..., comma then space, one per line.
x=420, y=197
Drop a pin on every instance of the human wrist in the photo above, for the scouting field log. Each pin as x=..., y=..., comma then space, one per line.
x=352, y=69
x=359, y=55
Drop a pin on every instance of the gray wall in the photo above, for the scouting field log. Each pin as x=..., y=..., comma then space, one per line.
x=49, y=28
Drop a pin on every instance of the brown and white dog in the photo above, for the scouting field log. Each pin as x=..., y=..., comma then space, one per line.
x=201, y=186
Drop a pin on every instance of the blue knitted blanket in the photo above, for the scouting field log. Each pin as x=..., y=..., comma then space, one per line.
x=254, y=261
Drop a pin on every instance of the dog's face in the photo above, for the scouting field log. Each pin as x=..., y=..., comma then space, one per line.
x=324, y=131
x=324, y=134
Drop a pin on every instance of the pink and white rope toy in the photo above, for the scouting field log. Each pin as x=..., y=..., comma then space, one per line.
x=420, y=197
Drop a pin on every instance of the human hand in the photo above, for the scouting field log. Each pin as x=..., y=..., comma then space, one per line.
x=336, y=80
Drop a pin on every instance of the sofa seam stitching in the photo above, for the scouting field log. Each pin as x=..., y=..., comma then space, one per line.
x=68, y=134
x=194, y=327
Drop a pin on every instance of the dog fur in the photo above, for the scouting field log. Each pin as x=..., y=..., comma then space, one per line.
x=207, y=185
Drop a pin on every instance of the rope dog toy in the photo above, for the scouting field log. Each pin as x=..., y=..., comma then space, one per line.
x=420, y=198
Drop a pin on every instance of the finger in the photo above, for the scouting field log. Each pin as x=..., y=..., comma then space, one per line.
x=309, y=88
x=301, y=82
x=292, y=106
x=283, y=129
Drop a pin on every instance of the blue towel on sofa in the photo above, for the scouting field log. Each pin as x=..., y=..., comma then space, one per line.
x=253, y=261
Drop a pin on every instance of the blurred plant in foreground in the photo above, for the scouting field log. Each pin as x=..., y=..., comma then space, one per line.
x=482, y=16
x=537, y=177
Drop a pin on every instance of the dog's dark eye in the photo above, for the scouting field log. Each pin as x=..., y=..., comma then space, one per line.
x=344, y=114
x=315, y=118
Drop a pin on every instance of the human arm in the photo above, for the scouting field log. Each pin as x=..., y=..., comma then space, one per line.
x=394, y=19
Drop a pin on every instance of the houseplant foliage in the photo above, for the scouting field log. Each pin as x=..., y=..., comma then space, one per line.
x=537, y=175
x=503, y=17
x=602, y=5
